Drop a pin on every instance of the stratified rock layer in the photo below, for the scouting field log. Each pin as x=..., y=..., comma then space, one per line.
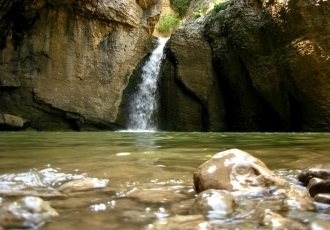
x=65, y=63
x=271, y=60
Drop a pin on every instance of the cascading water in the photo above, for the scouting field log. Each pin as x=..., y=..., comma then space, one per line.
x=144, y=103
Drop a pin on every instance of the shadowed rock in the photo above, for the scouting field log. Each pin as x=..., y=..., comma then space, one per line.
x=306, y=175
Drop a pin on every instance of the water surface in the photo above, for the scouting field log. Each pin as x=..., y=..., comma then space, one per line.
x=154, y=164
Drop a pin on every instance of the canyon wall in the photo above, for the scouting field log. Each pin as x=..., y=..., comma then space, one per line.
x=65, y=63
x=254, y=65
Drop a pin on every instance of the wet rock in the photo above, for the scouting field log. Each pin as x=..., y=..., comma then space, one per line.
x=320, y=225
x=322, y=198
x=322, y=186
x=27, y=212
x=182, y=207
x=214, y=204
x=313, y=181
x=306, y=175
x=82, y=185
x=298, y=198
x=278, y=222
x=235, y=170
x=45, y=194
x=156, y=195
x=178, y=222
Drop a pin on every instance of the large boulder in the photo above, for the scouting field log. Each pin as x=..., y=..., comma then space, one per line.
x=65, y=63
x=271, y=65
x=190, y=95
x=239, y=172
x=235, y=170
x=283, y=51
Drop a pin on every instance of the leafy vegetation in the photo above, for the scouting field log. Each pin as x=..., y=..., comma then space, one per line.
x=168, y=23
x=221, y=6
x=180, y=6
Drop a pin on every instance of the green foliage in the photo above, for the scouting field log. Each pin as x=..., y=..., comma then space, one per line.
x=168, y=23
x=180, y=6
x=221, y=6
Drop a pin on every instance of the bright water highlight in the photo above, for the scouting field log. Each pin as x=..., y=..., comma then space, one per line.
x=144, y=105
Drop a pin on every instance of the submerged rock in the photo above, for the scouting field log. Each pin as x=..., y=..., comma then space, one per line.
x=82, y=185
x=27, y=212
x=278, y=222
x=320, y=225
x=178, y=222
x=214, y=204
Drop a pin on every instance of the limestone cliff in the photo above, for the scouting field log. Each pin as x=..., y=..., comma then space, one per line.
x=270, y=68
x=65, y=63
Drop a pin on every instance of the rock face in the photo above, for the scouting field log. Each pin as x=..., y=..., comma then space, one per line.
x=65, y=63
x=190, y=96
x=270, y=69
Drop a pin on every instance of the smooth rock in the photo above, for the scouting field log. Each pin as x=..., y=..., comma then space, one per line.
x=178, y=222
x=156, y=195
x=214, y=204
x=320, y=225
x=322, y=198
x=278, y=222
x=27, y=212
x=298, y=198
x=320, y=187
x=82, y=185
x=313, y=181
x=306, y=175
x=235, y=170
x=11, y=122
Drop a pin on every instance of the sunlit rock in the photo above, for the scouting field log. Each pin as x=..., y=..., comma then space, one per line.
x=298, y=197
x=179, y=222
x=82, y=185
x=238, y=172
x=156, y=195
x=320, y=225
x=235, y=170
x=27, y=212
x=69, y=61
x=12, y=122
x=47, y=183
x=278, y=222
x=214, y=204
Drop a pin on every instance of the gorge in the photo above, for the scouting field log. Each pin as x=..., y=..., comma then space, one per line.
x=244, y=66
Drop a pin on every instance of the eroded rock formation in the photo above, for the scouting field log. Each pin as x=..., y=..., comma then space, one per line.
x=271, y=63
x=65, y=63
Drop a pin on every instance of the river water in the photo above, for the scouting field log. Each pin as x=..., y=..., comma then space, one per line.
x=149, y=174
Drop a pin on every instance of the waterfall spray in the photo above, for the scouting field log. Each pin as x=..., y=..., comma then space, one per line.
x=144, y=103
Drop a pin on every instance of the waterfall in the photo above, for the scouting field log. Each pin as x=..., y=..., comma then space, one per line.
x=144, y=102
